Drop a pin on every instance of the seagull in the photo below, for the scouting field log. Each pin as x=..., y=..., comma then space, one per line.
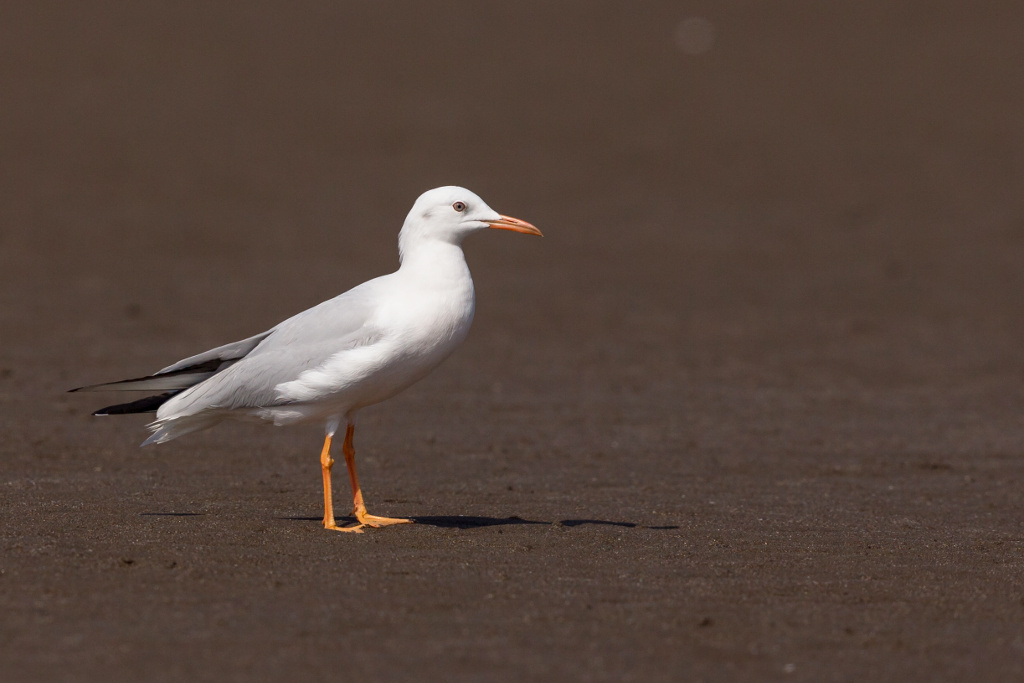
x=326, y=363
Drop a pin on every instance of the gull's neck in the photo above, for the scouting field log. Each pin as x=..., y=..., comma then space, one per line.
x=432, y=261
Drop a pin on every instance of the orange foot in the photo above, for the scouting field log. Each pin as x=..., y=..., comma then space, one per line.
x=356, y=529
x=366, y=519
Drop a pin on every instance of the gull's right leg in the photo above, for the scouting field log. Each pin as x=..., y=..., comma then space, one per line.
x=358, y=506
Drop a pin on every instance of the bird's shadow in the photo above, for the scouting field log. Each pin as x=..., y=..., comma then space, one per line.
x=475, y=522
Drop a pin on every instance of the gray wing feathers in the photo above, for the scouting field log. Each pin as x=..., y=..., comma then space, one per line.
x=232, y=351
x=301, y=343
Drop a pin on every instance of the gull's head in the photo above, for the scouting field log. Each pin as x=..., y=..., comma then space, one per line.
x=449, y=214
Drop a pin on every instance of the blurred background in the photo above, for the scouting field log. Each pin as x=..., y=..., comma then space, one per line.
x=781, y=280
x=720, y=178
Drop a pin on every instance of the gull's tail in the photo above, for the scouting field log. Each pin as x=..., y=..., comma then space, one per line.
x=174, y=379
x=175, y=382
x=172, y=428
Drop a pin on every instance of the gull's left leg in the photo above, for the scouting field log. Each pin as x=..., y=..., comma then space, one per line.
x=326, y=462
x=359, y=508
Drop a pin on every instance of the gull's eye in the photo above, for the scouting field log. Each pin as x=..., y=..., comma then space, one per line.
x=459, y=206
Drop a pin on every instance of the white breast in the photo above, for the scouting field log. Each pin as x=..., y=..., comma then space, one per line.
x=417, y=323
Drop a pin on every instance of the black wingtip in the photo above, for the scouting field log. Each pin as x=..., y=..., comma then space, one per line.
x=143, y=405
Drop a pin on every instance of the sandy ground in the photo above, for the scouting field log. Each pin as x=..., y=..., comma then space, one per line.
x=750, y=411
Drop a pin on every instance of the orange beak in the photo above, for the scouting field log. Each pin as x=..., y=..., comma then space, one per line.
x=515, y=225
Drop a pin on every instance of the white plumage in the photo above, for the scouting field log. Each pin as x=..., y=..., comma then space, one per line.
x=357, y=349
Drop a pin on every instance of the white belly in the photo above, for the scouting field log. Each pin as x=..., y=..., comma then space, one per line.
x=420, y=332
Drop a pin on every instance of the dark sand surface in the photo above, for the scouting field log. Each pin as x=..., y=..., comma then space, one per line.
x=751, y=410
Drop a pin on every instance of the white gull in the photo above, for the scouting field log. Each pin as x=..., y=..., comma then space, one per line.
x=355, y=350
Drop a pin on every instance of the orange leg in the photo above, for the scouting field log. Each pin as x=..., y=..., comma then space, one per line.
x=326, y=462
x=359, y=508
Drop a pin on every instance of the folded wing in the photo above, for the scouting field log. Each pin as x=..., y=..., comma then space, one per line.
x=278, y=355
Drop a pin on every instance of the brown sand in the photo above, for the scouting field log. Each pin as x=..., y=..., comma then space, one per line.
x=751, y=410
